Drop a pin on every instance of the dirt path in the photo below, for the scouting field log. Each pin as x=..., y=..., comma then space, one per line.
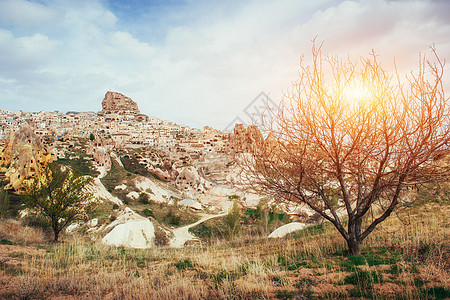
x=182, y=234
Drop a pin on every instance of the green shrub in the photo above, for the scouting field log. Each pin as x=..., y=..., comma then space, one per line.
x=233, y=221
x=183, y=264
x=147, y=212
x=143, y=198
x=172, y=219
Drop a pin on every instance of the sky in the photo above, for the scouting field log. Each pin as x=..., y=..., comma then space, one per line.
x=196, y=62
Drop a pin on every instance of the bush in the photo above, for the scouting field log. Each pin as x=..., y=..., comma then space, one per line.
x=143, y=198
x=147, y=212
x=172, y=219
x=233, y=221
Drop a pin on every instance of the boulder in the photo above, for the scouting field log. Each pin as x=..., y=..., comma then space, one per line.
x=133, y=195
x=120, y=187
x=130, y=230
x=286, y=229
x=138, y=233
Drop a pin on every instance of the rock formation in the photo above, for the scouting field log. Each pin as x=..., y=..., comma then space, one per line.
x=243, y=138
x=286, y=229
x=117, y=103
x=130, y=230
x=190, y=180
x=22, y=157
x=101, y=156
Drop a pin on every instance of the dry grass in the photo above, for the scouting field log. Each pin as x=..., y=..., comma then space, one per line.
x=15, y=232
x=405, y=261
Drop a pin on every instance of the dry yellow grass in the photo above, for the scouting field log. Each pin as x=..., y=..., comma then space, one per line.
x=412, y=259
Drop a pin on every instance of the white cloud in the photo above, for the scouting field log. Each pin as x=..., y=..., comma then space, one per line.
x=26, y=13
x=207, y=67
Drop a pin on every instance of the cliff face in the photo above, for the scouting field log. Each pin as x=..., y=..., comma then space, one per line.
x=243, y=138
x=118, y=103
x=22, y=157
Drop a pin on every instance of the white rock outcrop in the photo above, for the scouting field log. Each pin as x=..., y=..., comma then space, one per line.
x=133, y=195
x=130, y=230
x=286, y=229
x=138, y=233
x=191, y=203
x=98, y=189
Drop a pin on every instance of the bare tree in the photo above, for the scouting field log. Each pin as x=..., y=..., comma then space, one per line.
x=350, y=136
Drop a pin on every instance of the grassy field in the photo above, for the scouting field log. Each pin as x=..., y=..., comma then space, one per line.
x=406, y=258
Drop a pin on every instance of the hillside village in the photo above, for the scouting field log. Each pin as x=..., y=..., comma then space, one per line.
x=164, y=162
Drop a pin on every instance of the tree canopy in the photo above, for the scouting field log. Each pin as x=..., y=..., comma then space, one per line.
x=60, y=196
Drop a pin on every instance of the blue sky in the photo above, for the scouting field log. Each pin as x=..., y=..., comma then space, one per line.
x=194, y=62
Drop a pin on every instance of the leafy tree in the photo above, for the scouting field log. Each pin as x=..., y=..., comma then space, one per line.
x=60, y=196
x=233, y=221
x=351, y=137
x=91, y=137
x=4, y=202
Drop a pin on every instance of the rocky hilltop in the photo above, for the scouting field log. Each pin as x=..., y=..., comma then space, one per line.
x=117, y=103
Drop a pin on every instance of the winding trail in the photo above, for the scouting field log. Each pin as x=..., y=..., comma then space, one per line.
x=182, y=234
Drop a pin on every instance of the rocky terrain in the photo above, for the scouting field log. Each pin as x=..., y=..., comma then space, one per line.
x=22, y=157
x=164, y=227
x=191, y=174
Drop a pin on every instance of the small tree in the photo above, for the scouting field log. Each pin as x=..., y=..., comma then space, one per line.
x=4, y=202
x=350, y=138
x=60, y=196
x=233, y=221
x=91, y=137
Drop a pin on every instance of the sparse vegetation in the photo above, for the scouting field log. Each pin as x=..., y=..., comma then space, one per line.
x=78, y=161
x=4, y=202
x=401, y=261
x=59, y=196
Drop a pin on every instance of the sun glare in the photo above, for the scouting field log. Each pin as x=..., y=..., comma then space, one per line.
x=356, y=93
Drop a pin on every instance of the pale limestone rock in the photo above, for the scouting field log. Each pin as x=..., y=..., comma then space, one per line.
x=121, y=187
x=138, y=233
x=92, y=223
x=133, y=195
x=286, y=229
x=130, y=230
x=98, y=189
x=191, y=203
x=72, y=227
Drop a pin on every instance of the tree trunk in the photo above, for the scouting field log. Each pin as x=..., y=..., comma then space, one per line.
x=56, y=233
x=354, y=246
